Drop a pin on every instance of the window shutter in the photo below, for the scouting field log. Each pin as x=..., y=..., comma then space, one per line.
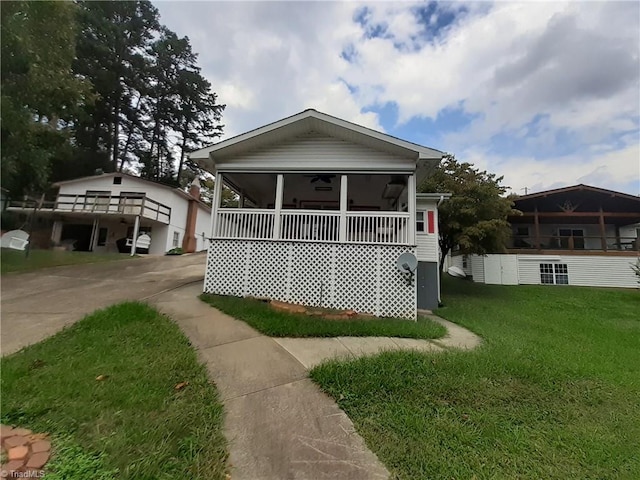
x=431, y=225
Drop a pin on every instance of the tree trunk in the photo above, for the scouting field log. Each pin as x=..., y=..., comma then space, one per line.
x=129, y=137
x=116, y=133
x=182, y=155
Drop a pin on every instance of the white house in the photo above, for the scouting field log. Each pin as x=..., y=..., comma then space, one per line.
x=100, y=213
x=578, y=235
x=326, y=208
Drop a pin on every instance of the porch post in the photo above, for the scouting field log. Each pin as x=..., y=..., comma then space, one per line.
x=343, y=209
x=215, y=204
x=603, y=232
x=136, y=230
x=411, y=205
x=56, y=231
x=278, y=206
x=536, y=222
x=94, y=234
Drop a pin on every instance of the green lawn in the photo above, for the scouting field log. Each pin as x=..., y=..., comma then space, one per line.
x=15, y=260
x=283, y=324
x=553, y=393
x=133, y=424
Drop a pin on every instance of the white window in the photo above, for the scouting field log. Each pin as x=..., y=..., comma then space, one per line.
x=176, y=239
x=465, y=261
x=420, y=222
x=554, y=274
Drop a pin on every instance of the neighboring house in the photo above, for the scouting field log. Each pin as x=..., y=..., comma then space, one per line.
x=100, y=213
x=579, y=235
x=326, y=208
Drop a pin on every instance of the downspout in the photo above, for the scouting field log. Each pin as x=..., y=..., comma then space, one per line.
x=438, y=269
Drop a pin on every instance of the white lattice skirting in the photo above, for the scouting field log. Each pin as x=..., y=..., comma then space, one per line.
x=363, y=278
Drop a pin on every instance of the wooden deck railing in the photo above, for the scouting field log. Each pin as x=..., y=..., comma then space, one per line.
x=103, y=204
x=313, y=225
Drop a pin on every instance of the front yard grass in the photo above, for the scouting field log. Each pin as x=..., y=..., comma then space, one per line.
x=552, y=393
x=104, y=389
x=15, y=260
x=283, y=324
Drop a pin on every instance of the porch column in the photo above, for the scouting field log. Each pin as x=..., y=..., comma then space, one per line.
x=215, y=204
x=411, y=205
x=278, y=206
x=56, y=232
x=343, y=209
x=603, y=231
x=94, y=234
x=536, y=222
x=136, y=230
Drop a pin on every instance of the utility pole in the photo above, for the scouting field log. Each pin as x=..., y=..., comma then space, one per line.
x=526, y=190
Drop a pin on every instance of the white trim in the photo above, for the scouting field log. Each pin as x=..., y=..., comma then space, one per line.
x=343, y=209
x=215, y=201
x=278, y=206
x=136, y=230
x=411, y=192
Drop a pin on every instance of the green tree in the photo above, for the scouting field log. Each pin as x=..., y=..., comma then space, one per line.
x=113, y=50
x=40, y=93
x=475, y=217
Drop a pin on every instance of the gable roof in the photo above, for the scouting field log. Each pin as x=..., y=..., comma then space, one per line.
x=311, y=120
x=578, y=188
x=176, y=190
x=582, y=197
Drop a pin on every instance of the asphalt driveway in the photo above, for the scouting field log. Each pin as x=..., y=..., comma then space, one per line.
x=36, y=305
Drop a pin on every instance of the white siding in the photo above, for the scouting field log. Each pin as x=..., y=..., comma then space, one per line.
x=317, y=152
x=158, y=193
x=203, y=228
x=427, y=249
x=584, y=270
x=458, y=261
x=477, y=268
x=630, y=231
x=161, y=235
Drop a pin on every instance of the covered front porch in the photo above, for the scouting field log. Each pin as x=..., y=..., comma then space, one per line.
x=376, y=208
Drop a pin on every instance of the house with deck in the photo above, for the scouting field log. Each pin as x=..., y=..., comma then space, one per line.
x=111, y=212
x=326, y=207
x=578, y=235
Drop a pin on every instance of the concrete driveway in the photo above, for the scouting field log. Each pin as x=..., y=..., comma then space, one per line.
x=36, y=305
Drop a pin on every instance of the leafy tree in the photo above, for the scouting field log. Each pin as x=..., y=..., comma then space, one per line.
x=40, y=94
x=475, y=217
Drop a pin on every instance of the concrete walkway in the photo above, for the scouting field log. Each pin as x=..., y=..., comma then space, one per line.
x=279, y=424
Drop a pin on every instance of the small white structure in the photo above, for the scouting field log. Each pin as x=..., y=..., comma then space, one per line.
x=104, y=213
x=579, y=235
x=15, y=239
x=326, y=208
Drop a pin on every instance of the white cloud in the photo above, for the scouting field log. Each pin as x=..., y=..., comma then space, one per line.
x=573, y=67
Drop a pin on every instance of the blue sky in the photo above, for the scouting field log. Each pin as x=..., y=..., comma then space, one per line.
x=545, y=94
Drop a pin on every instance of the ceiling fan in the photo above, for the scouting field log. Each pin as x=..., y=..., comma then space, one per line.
x=326, y=178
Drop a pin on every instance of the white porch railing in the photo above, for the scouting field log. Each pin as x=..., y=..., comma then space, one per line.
x=248, y=223
x=378, y=227
x=313, y=225
x=100, y=204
